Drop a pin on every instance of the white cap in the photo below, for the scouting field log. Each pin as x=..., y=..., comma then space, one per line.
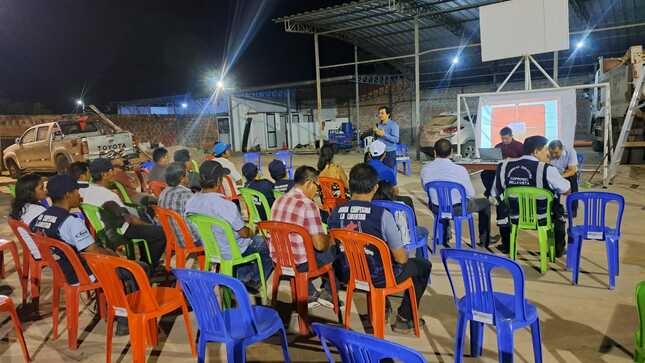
x=377, y=148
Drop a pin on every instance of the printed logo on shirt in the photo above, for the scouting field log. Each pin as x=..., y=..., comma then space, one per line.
x=45, y=221
x=519, y=175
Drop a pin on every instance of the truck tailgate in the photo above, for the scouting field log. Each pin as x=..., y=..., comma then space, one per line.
x=112, y=146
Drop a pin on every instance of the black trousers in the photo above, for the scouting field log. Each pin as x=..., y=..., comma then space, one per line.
x=419, y=270
x=390, y=159
x=488, y=178
x=559, y=226
x=573, y=180
x=155, y=237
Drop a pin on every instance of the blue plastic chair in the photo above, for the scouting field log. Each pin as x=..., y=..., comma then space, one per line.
x=403, y=158
x=581, y=163
x=255, y=158
x=418, y=243
x=236, y=327
x=594, y=227
x=361, y=348
x=444, y=190
x=286, y=156
x=481, y=304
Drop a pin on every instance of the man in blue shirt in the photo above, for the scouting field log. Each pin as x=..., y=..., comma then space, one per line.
x=385, y=173
x=387, y=131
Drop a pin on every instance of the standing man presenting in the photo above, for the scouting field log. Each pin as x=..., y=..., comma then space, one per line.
x=387, y=131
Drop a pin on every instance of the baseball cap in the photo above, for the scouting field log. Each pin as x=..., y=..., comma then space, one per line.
x=100, y=165
x=58, y=185
x=377, y=148
x=277, y=169
x=211, y=171
x=182, y=155
x=220, y=148
x=250, y=171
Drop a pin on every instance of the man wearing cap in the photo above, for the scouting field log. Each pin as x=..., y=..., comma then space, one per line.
x=98, y=194
x=387, y=131
x=385, y=173
x=278, y=172
x=183, y=156
x=175, y=197
x=222, y=153
x=250, y=172
x=211, y=203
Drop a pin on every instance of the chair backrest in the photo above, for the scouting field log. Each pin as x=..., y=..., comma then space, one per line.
x=640, y=307
x=106, y=268
x=255, y=158
x=399, y=210
x=50, y=246
x=361, y=348
x=205, y=225
x=286, y=156
x=199, y=289
x=280, y=242
x=166, y=218
x=228, y=188
x=356, y=249
x=23, y=234
x=327, y=185
x=156, y=187
x=124, y=193
x=12, y=190
x=142, y=180
x=250, y=196
x=476, y=269
x=527, y=203
x=446, y=192
x=195, y=166
x=595, y=209
x=93, y=214
x=402, y=150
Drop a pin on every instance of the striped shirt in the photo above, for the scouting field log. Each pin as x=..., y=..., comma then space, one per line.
x=175, y=198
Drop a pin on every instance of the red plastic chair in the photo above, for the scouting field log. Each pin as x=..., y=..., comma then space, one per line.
x=6, y=245
x=31, y=268
x=329, y=200
x=139, y=172
x=142, y=308
x=229, y=191
x=355, y=244
x=165, y=217
x=285, y=266
x=6, y=306
x=156, y=187
x=72, y=292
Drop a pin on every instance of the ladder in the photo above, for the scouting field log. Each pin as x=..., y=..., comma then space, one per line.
x=627, y=126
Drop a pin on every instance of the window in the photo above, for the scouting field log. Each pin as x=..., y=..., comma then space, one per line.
x=271, y=131
x=75, y=127
x=308, y=118
x=295, y=118
x=29, y=136
x=42, y=133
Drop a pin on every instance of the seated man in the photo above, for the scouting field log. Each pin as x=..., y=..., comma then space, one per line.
x=278, y=173
x=161, y=159
x=385, y=173
x=175, y=197
x=531, y=170
x=211, y=203
x=510, y=147
x=298, y=207
x=363, y=216
x=183, y=156
x=80, y=171
x=565, y=159
x=443, y=169
x=97, y=193
x=253, y=181
x=222, y=153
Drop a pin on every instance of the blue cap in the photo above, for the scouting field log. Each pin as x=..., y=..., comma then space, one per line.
x=58, y=185
x=220, y=148
x=277, y=169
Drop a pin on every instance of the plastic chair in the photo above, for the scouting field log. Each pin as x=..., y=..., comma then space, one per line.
x=31, y=268
x=48, y=247
x=361, y=348
x=249, y=196
x=420, y=244
x=142, y=307
x=156, y=187
x=581, y=163
x=286, y=156
x=12, y=190
x=229, y=191
x=355, y=244
x=285, y=267
x=277, y=194
x=445, y=193
x=6, y=245
x=124, y=193
x=481, y=304
x=595, y=227
x=168, y=217
x=195, y=166
x=639, y=337
x=236, y=327
x=255, y=158
x=139, y=172
x=329, y=200
x=403, y=158
x=93, y=214
x=528, y=219
x=212, y=252
x=7, y=306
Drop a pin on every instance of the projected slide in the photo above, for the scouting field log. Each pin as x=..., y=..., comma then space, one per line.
x=539, y=117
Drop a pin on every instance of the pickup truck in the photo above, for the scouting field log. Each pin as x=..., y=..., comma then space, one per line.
x=52, y=146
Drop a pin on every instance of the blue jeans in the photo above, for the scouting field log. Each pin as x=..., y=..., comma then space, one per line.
x=249, y=272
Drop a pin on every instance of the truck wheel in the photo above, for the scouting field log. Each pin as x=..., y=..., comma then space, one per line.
x=62, y=164
x=14, y=171
x=597, y=146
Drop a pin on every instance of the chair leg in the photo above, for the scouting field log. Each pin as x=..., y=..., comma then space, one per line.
x=72, y=297
x=435, y=235
x=55, y=307
x=168, y=255
x=18, y=328
x=301, y=297
x=263, y=282
x=334, y=294
x=138, y=335
x=377, y=315
x=26, y=264
x=543, y=241
x=201, y=348
x=275, y=286
x=571, y=245
x=471, y=229
x=189, y=329
x=460, y=338
x=513, y=245
x=617, y=256
x=285, y=345
x=457, y=233
x=108, y=334
x=415, y=310
x=151, y=332
x=611, y=267
x=505, y=343
x=16, y=261
x=235, y=353
x=476, y=338
x=348, y=304
x=575, y=260
x=536, y=337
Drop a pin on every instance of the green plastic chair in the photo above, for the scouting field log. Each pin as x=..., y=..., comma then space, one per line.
x=528, y=220
x=93, y=214
x=277, y=194
x=124, y=193
x=212, y=252
x=195, y=166
x=248, y=196
x=639, y=337
x=12, y=190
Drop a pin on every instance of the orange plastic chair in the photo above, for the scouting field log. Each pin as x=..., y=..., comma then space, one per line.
x=156, y=187
x=6, y=245
x=229, y=191
x=285, y=266
x=72, y=292
x=166, y=217
x=31, y=268
x=142, y=308
x=139, y=172
x=329, y=200
x=7, y=306
x=355, y=245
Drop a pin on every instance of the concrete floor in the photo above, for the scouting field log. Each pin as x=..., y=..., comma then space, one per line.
x=585, y=323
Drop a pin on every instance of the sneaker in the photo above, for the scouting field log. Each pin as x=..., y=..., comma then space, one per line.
x=325, y=299
x=405, y=326
x=312, y=301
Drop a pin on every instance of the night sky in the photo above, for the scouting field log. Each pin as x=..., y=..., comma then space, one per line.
x=114, y=50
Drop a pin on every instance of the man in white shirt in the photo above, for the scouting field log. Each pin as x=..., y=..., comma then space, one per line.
x=443, y=169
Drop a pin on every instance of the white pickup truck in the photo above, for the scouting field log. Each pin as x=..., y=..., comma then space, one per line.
x=52, y=146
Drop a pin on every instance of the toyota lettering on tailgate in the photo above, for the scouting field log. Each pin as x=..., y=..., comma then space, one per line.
x=112, y=147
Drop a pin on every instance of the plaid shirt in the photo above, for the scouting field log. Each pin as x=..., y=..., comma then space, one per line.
x=175, y=198
x=295, y=207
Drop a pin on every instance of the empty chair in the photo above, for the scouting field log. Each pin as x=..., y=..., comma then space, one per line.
x=255, y=158
x=482, y=304
x=414, y=242
x=446, y=211
x=333, y=192
x=286, y=156
x=595, y=227
x=403, y=158
x=7, y=306
x=361, y=348
x=156, y=187
x=639, y=337
x=168, y=218
x=31, y=266
x=237, y=327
